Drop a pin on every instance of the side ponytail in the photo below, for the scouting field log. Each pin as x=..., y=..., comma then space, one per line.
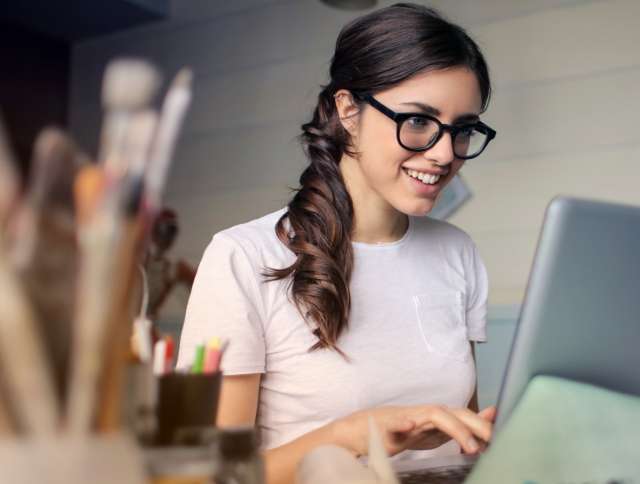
x=320, y=221
x=374, y=52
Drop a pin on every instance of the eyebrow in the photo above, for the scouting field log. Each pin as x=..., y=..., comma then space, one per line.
x=430, y=110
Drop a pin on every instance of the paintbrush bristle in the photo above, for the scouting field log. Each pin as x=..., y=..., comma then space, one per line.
x=53, y=168
x=183, y=78
x=129, y=84
x=88, y=188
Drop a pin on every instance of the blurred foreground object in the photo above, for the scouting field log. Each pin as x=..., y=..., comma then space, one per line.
x=71, y=242
x=330, y=463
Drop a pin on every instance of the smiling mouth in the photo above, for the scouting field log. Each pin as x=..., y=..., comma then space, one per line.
x=425, y=178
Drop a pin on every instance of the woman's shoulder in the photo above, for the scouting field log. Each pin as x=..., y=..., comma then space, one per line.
x=256, y=238
x=261, y=227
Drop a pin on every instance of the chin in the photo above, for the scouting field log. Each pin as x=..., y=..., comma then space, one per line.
x=418, y=208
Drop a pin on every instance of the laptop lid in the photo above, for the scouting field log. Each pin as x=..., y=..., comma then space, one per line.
x=581, y=315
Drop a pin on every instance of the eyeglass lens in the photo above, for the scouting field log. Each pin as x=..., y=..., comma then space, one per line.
x=419, y=133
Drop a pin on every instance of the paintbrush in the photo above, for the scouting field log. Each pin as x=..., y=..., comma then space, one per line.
x=43, y=246
x=123, y=310
x=98, y=233
x=379, y=461
x=120, y=321
x=174, y=108
x=8, y=194
x=128, y=86
x=7, y=426
x=26, y=372
x=330, y=463
x=52, y=171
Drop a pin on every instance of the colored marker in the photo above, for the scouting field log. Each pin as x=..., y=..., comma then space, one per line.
x=159, y=357
x=212, y=358
x=198, y=360
x=168, y=357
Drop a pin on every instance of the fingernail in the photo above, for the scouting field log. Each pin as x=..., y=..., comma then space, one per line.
x=472, y=445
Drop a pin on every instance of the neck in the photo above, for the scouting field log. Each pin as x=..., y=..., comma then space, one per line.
x=377, y=228
x=375, y=221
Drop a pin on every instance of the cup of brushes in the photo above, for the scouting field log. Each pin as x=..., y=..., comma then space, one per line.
x=71, y=240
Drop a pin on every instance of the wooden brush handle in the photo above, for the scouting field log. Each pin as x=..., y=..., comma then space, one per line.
x=120, y=325
x=7, y=423
x=26, y=371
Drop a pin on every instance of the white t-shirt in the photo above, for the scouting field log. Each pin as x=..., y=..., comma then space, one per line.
x=415, y=305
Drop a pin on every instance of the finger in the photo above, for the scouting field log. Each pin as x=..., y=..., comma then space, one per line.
x=489, y=413
x=449, y=423
x=400, y=425
x=479, y=426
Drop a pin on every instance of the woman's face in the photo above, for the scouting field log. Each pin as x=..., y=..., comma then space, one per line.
x=382, y=170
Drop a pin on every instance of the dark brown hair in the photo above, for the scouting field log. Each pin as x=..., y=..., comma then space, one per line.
x=373, y=53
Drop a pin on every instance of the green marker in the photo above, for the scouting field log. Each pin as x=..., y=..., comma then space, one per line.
x=198, y=361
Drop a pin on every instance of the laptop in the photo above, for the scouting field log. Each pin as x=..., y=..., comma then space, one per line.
x=580, y=318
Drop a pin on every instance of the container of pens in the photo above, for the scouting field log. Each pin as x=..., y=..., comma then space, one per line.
x=188, y=399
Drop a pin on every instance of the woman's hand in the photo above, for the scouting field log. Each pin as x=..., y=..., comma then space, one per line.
x=418, y=427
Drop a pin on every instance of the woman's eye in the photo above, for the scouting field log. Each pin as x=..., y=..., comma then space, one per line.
x=467, y=131
x=417, y=122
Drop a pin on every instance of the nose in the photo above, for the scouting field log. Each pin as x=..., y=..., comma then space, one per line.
x=442, y=152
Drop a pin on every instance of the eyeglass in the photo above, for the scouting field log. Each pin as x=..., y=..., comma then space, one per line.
x=419, y=131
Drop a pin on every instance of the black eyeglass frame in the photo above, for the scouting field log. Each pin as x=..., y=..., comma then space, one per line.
x=400, y=118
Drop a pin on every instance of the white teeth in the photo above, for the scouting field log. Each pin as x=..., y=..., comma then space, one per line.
x=423, y=177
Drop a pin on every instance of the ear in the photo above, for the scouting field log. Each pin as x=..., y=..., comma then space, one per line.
x=348, y=110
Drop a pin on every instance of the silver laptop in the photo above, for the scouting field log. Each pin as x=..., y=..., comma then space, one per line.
x=580, y=318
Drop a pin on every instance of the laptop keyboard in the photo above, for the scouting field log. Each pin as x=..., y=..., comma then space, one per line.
x=441, y=475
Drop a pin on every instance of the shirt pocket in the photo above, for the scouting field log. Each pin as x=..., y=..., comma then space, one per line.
x=441, y=317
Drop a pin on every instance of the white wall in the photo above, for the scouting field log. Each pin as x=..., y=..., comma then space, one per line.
x=565, y=76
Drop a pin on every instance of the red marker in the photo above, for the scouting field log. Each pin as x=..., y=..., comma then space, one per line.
x=168, y=355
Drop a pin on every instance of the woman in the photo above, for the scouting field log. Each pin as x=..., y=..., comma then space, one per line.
x=350, y=302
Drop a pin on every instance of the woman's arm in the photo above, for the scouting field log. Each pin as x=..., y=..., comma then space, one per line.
x=416, y=427
x=238, y=406
x=238, y=403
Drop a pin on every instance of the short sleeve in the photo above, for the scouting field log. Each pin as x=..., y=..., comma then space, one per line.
x=225, y=301
x=477, y=286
